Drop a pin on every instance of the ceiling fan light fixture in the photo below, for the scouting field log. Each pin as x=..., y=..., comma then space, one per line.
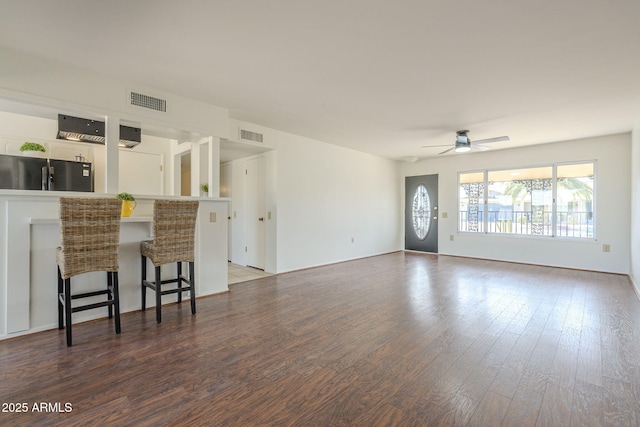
x=462, y=149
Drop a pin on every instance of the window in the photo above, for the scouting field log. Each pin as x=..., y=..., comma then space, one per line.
x=421, y=212
x=552, y=200
x=575, y=200
x=471, y=207
x=520, y=201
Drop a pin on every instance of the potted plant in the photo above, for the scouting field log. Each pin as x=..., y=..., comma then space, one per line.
x=32, y=149
x=204, y=188
x=128, y=204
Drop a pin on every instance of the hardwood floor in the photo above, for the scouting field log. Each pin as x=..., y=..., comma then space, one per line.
x=399, y=339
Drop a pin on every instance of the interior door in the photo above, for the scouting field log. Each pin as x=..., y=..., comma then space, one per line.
x=421, y=213
x=256, y=207
x=226, y=191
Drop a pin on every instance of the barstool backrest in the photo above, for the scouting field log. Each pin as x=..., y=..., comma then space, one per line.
x=90, y=229
x=174, y=225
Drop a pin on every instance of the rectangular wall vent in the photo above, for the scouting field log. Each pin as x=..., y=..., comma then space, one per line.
x=247, y=135
x=150, y=102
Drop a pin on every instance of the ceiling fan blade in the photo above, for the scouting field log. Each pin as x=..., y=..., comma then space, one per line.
x=496, y=139
x=431, y=146
x=446, y=151
x=480, y=147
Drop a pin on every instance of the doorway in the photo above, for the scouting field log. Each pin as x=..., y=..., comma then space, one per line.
x=421, y=213
x=185, y=174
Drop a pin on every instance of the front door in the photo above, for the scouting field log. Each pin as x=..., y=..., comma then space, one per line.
x=421, y=213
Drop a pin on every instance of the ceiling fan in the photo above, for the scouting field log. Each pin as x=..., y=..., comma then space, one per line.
x=463, y=143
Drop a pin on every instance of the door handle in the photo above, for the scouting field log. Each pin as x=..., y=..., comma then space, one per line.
x=261, y=218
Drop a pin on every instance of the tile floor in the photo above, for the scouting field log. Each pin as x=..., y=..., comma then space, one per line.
x=239, y=273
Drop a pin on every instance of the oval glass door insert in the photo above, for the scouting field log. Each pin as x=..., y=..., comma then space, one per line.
x=421, y=212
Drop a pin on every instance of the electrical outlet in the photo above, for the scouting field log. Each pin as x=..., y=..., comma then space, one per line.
x=353, y=240
x=606, y=248
x=451, y=237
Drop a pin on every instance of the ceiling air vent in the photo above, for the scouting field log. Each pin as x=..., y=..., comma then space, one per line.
x=247, y=135
x=150, y=102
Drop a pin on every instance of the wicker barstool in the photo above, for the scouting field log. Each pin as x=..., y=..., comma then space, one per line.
x=90, y=229
x=174, y=223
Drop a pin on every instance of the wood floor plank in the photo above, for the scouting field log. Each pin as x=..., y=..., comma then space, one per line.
x=477, y=384
x=565, y=362
x=620, y=406
x=387, y=415
x=490, y=411
x=555, y=409
x=403, y=339
x=589, y=367
x=588, y=405
x=523, y=408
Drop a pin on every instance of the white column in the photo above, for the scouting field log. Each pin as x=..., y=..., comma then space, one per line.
x=214, y=166
x=195, y=169
x=111, y=154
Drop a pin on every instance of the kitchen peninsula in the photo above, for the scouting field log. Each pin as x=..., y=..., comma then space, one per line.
x=30, y=233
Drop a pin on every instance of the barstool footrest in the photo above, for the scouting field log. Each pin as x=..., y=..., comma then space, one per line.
x=175, y=291
x=91, y=294
x=152, y=286
x=91, y=306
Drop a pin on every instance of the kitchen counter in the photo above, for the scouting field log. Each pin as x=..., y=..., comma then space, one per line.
x=30, y=232
x=35, y=221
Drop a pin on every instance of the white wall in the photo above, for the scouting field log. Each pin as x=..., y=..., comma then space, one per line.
x=613, y=221
x=19, y=125
x=327, y=195
x=635, y=207
x=318, y=197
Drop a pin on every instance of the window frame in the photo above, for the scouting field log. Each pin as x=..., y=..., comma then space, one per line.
x=484, y=226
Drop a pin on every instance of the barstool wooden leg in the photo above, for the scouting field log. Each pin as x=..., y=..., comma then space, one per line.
x=144, y=279
x=179, y=268
x=192, y=292
x=67, y=309
x=158, y=296
x=110, y=294
x=60, y=304
x=116, y=300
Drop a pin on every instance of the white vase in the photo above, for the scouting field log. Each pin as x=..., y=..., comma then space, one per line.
x=40, y=154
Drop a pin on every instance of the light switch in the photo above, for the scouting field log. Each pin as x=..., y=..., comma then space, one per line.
x=212, y=217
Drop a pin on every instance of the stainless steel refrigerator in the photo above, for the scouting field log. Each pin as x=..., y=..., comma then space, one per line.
x=31, y=173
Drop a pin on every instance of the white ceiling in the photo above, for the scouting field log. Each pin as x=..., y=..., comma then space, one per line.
x=374, y=75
